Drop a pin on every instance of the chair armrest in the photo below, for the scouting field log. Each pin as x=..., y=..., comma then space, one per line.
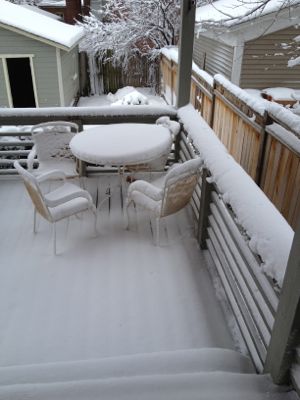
x=67, y=197
x=147, y=189
x=54, y=174
x=30, y=158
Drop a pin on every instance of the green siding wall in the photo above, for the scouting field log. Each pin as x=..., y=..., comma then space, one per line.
x=70, y=74
x=3, y=93
x=265, y=62
x=45, y=67
x=216, y=55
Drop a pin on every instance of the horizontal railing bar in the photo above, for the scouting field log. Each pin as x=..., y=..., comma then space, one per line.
x=252, y=308
x=86, y=115
x=270, y=295
x=245, y=274
x=9, y=153
x=17, y=143
x=14, y=134
x=248, y=341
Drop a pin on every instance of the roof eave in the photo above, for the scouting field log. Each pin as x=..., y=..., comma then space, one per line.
x=39, y=38
x=249, y=30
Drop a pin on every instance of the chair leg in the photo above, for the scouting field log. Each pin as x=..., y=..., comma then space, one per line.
x=94, y=210
x=126, y=214
x=54, y=238
x=157, y=220
x=34, y=220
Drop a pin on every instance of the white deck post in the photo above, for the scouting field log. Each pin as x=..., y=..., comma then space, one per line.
x=188, y=8
x=286, y=330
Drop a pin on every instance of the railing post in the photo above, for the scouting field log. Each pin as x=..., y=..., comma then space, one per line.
x=262, y=151
x=213, y=104
x=286, y=330
x=206, y=189
x=185, y=56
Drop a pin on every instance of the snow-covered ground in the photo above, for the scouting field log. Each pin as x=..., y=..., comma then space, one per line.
x=102, y=296
x=110, y=99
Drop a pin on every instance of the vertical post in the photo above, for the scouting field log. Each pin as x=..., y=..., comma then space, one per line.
x=213, y=105
x=286, y=330
x=188, y=8
x=262, y=151
x=206, y=189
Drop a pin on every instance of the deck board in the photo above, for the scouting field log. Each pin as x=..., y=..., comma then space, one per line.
x=101, y=296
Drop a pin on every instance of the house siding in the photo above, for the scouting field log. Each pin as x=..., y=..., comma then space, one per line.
x=218, y=59
x=70, y=74
x=3, y=92
x=44, y=62
x=262, y=68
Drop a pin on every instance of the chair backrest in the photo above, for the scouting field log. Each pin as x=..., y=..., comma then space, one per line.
x=34, y=191
x=180, y=183
x=52, y=139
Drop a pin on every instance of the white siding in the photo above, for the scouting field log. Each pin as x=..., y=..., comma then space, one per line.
x=3, y=93
x=263, y=66
x=218, y=56
x=70, y=74
x=44, y=63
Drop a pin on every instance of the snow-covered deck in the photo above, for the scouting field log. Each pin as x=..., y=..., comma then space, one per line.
x=101, y=296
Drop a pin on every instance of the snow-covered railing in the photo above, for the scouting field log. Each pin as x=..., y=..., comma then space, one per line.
x=263, y=137
x=15, y=137
x=246, y=236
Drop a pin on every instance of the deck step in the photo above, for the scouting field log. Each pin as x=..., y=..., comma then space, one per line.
x=192, y=386
x=160, y=363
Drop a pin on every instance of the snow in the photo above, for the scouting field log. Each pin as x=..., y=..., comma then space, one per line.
x=286, y=116
x=231, y=12
x=31, y=22
x=270, y=235
x=106, y=296
x=171, y=53
x=258, y=105
x=40, y=11
x=280, y=93
x=105, y=100
x=122, y=144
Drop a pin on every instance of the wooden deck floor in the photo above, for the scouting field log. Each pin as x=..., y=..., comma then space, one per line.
x=101, y=296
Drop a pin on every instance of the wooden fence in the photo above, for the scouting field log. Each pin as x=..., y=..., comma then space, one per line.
x=271, y=159
x=109, y=78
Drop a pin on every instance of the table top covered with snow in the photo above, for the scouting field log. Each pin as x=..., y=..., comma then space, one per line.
x=120, y=144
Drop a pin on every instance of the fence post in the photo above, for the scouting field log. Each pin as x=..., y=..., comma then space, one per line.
x=212, y=112
x=206, y=189
x=262, y=151
x=286, y=329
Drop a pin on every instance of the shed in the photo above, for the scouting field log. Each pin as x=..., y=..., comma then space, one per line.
x=251, y=49
x=38, y=59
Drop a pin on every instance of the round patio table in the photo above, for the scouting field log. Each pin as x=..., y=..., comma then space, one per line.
x=121, y=144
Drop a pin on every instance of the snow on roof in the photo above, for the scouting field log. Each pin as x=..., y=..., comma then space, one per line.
x=31, y=22
x=233, y=12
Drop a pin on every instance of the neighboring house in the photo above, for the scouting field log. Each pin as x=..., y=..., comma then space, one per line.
x=38, y=59
x=252, y=51
x=68, y=10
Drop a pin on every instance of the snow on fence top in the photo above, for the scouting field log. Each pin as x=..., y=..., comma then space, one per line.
x=171, y=53
x=232, y=12
x=15, y=16
x=290, y=120
x=270, y=235
x=256, y=104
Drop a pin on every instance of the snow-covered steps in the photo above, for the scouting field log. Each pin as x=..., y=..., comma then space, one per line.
x=161, y=363
x=192, y=386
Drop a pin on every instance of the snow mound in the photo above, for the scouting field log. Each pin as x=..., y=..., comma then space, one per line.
x=127, y=96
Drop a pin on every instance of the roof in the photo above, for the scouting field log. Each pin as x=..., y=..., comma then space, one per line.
x=41, y=27
x=246, y=16
x=40, y=11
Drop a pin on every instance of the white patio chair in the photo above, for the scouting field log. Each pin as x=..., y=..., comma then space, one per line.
x=51, y=146
x=68, y=199
x=168, y=195
x=159, y=163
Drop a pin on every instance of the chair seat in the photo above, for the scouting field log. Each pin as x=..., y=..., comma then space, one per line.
x=68, y=208
x=67, y=166
x=146, y=202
